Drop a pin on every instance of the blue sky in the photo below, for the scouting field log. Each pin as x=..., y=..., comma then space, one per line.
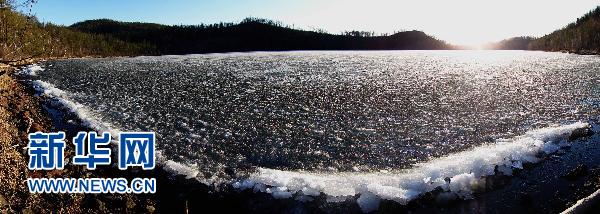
x=467, y=22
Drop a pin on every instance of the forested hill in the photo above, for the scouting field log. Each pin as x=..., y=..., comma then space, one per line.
x=23, y=37
x=514, y=43
x=582, y=36
x=252, y=34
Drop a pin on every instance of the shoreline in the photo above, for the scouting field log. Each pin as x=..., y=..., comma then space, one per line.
x=20, y=113
x=177, y=193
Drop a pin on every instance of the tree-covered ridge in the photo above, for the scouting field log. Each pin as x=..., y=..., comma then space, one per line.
x=581, y=36
x=514, y=43
x=252, y=34
x=22, y=36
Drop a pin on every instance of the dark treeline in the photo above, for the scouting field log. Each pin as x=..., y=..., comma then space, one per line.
x=22, y=37
x=252, y=34
x=515, y=43
x=582, y=36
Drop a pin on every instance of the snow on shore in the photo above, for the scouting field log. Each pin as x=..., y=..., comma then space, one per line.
x=463, y=170
x=31, y=70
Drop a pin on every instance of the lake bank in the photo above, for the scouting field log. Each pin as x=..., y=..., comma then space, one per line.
x=18, y=111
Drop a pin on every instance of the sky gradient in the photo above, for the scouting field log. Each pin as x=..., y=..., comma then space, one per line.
x=464, y=22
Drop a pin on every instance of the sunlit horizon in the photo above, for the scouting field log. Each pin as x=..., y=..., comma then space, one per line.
x=461, y=22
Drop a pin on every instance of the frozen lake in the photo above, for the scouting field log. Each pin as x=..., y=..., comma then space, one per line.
x=225, y=115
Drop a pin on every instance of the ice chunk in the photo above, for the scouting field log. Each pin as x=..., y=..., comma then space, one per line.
x=31, y=70
x=189, y=171
x=368, y=202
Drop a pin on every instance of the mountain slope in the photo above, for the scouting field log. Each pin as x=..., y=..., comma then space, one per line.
x=250, y=35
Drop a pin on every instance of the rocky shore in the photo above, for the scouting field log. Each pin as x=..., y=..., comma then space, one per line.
x=20, y=114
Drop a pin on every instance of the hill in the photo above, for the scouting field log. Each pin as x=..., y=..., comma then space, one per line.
x=581, y=36
x=515, y=43
x=252, y=34
x=23, y=37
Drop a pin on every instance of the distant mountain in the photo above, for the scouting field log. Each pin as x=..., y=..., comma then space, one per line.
x=515, y=43
x=252, y=34
x=582, y=36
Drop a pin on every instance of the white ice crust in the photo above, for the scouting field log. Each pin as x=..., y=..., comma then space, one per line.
x=466, y=171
